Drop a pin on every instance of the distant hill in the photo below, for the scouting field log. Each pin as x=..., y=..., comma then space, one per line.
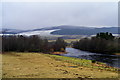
x=10, y=31
x=62, y=30
x=66, y=30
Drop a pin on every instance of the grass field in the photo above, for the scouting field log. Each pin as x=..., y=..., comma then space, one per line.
x=67, y=40
x=0, y=66
x=38, y=65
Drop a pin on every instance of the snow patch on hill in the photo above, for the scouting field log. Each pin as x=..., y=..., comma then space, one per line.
x=41, y=33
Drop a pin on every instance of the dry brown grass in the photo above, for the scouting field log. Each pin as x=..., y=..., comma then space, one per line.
x=117, y=53
x=67, y=40
x=36, y=65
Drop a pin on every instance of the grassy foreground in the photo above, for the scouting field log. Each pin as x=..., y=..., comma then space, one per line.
x=38, y=65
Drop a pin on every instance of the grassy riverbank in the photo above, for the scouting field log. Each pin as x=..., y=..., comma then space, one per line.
x=38, y=65
x=116, y=53
x=84, y=62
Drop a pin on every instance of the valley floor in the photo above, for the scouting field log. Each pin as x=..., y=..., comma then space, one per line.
x=38, y=65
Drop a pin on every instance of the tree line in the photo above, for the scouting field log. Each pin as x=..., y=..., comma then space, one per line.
x=32, y=43
x=101, y=43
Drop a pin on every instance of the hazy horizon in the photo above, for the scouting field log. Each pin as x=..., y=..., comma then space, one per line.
x=33, y=15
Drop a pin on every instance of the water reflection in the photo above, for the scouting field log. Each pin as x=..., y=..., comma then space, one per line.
x=111, y=60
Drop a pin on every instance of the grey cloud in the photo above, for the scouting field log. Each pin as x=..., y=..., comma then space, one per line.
x=36, y=15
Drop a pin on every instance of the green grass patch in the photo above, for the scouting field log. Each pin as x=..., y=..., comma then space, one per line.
x=83, y=62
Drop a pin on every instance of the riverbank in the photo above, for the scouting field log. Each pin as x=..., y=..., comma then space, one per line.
x=98, y=52
x=85, y=63
x=117, y=54
x=58, y=53
x=38, y=65
x=111, y=60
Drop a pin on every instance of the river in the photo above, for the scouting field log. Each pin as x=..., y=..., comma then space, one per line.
x=111, y=60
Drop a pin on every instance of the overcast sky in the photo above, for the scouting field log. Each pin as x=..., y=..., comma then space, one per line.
x=31, y=15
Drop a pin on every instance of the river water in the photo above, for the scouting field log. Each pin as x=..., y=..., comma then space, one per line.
x=111, y=60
